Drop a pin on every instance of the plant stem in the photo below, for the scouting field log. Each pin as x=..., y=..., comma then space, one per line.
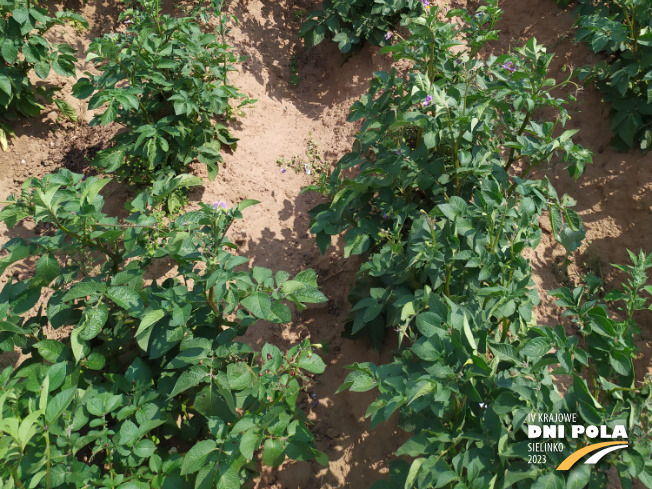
x=505, y=329
x=47, y=451
x=511, y=157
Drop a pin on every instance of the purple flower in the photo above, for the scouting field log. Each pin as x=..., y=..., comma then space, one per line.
x=128, y=21
x=388, y=36
x=398, y=151
x=218, y=205
x=283, y=170
x=425, y=3
x=509, y=66
x=427, y=101
x=458, y=61
x=385, y=216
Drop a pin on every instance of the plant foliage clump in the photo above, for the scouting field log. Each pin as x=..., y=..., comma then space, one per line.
x=622, y=29
x=151, y=387
x=352, y=22
x=165, y=80
x=23, y=50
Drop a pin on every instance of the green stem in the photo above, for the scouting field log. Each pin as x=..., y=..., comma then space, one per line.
x=523, y=174
x=494, y=241
x=47, y=451
x=128, y=226
x=157, y=17
x=505, y=330
x=17, y=480
x=447, y=290
x=511, y=157
x=626, y=389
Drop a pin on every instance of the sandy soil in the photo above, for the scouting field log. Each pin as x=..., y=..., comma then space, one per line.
x=613, y=196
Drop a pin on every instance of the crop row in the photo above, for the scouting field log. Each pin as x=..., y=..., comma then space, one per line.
x=435, y=196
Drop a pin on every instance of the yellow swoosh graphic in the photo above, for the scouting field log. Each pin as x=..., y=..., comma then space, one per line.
x=574, y=457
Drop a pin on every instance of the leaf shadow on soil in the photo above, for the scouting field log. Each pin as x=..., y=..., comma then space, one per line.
x=326, y=76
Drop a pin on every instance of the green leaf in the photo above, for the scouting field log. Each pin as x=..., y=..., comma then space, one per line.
x=239, y=376
x=127, y=299
x=189, y=378
x=96, y=320
x=261, y=274
x=536, y=347
x=243, y=204
x=229, y=479
x=47, y=269
x=312, y=363
x=414, y=472
x=414, y=447
x=646, y=476
x=569, y=239
x=144, y=448
x=128, y=433
x=82, y=289
x=357, y=246
x=80, y=348
x=83, y=89
x=139, y=373
x=196, y=456
x=205, y=478
x=42, y=69
x=52, y=350
x=249, y=443
x=56, y=375
x=95, y=361
x=273, y=452
x=363, y=383
x=259, y=304
x=468, y=333
x=110, y=114
x=428, y=323
x=67, y=110
x=555, y=220
x=579, y=477
x=282, y=313
x=5, y=85
x=551, y=480
x=573, y=219
x=149, y=319
x=8, y=51
x=299, y=450
x=11, y=328
x=58, y=404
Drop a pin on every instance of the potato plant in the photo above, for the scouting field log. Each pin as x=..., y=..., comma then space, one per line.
x=436, y=198
x=24, y=50
x=164, y=79
x=433, y=156
x=353, y=22
x=621, y=29
x=149, y=387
